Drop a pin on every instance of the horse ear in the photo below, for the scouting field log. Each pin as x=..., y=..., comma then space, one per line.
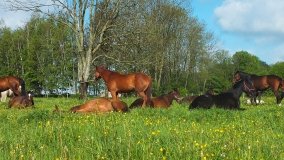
x=100, y=67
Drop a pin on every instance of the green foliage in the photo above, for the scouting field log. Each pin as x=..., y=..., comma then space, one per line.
x=249, y=63
x=174, y=133
x=277, y=69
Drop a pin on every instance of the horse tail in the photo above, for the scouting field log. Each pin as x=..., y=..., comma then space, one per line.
x=149, y=94
x=282, y=85
x=137, y=103
x=23, y=86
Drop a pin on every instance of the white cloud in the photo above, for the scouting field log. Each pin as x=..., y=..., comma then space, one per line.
x=252, y=16
x=14, y=19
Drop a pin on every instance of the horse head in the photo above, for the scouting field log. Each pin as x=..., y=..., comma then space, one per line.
x=239, y=75
x=236, y=77
x=176, y=95
x=98, y=71
x=30, y=97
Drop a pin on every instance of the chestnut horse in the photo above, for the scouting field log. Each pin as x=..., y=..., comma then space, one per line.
x=261, y=83
x=124, y=83
x=16, y=84
x=163, y=101
x=100, y=105
x=21, y=101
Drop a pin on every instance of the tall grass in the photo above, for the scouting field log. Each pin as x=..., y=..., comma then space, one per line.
x=174, y=133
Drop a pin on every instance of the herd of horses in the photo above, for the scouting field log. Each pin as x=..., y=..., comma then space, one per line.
x=116, y=83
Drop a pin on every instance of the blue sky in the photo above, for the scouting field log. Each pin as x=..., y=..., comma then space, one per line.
x=256, y=26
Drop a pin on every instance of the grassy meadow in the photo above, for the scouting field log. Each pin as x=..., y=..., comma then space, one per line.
x=174, y=133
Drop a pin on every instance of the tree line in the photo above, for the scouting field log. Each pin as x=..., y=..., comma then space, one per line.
x=57, y=50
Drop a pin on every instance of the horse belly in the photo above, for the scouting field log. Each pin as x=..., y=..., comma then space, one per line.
x=159, y=103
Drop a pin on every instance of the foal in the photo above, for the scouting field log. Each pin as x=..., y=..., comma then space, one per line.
x=21, y=101
x=163, y=101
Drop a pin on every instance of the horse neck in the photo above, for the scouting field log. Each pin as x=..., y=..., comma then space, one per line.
x=244, y=75
x=238, y=91
x=170, y=98
x=105, y=74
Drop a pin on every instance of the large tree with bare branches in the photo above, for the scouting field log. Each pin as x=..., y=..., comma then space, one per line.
x=88, y=19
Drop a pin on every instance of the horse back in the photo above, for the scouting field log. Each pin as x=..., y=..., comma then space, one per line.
x=267, y=81
x=95, y=105
x=128, y=82
x=20, y=101
x=160, y=102
x=4, y=84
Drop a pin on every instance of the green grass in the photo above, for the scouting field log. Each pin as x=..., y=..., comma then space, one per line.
x=174, y=133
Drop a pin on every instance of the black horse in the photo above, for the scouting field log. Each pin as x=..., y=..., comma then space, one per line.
x=261, y=83
x=226, y=100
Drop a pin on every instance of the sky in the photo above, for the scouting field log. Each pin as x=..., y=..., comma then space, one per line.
x=256, y=26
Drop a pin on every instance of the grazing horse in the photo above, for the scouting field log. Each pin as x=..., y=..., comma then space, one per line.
x=16, y=84
x=99, y=105
x=163, y=101
x=261, y=83
x=21, y=101
x=124, y=83
x=5, y=94
x=226, y=100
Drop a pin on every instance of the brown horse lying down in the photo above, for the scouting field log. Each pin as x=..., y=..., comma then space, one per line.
x=163, y=101
x=21, y=101
x=100, y=105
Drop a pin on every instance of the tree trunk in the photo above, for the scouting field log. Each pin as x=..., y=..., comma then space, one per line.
x=83, y=89
x=84, y=72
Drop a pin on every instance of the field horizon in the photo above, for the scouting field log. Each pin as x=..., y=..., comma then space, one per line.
x=174, y=133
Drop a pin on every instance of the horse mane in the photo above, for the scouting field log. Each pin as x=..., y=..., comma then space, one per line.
x=23, y=86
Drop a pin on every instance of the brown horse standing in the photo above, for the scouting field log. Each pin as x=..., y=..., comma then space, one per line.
x=261, y=83
x=123, y=83
x=163, y=101
x=99, y=105
x=16, y=84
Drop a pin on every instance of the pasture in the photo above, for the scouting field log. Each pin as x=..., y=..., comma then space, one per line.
x=174, y=133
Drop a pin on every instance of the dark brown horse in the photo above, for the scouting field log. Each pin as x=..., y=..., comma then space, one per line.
x=16, y=84
x=261, y=83
x=163, y=101
x=21, y=101
x=100, y=105
x=124, y=83
x=189, y=99
x=227, y=100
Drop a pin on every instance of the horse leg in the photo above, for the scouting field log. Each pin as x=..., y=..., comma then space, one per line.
x=144, y=97
x=114, y=95
x=278, y=97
